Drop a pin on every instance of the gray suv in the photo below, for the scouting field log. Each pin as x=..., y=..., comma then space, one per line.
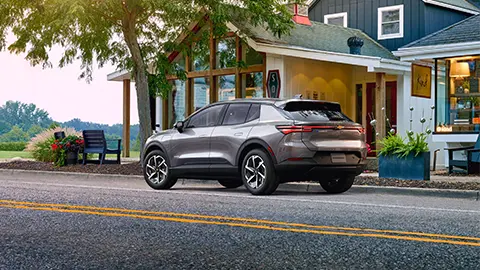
x=259, y=143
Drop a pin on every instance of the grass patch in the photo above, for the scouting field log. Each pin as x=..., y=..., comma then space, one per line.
x=24, y=154
x=14, y=154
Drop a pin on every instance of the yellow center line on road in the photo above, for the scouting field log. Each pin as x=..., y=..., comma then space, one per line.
x=268, y=222
x=118, y=212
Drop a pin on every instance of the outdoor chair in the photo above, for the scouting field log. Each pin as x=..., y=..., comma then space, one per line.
x=95, y=143
x=472, y=164
x=59, y=135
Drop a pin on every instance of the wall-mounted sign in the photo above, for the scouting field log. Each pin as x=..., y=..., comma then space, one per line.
x=421, y=81
x=273, y=83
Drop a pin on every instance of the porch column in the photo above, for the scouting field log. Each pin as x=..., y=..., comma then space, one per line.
x=126, y=118
x=159, y=114
x=380, y=102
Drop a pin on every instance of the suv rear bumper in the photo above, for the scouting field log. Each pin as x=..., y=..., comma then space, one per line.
x=310, y=170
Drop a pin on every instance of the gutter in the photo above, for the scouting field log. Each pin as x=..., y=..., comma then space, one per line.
x=438, y=51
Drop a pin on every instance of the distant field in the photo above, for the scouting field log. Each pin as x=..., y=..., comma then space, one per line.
x=14, y=154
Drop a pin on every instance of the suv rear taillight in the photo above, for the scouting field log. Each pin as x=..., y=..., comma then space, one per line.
x=298, y=129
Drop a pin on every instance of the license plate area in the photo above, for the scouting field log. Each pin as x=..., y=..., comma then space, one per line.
x=338, y=158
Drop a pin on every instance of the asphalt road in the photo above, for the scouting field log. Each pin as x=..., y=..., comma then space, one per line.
x=107, y=224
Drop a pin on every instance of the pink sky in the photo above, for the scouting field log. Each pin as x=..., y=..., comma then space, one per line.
x=59, y=91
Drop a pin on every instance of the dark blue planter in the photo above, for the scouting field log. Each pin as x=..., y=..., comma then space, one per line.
x=409, y=168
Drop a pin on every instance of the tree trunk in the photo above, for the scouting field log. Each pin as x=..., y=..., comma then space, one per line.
x=141, y=81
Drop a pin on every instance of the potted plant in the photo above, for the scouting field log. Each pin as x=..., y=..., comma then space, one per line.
x=405, y=158
x=66, y=150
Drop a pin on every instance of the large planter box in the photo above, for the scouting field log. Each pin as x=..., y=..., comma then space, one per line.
x=409, y=168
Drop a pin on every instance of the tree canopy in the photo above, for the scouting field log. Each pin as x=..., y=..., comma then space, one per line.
x=22, y=115
x=130, y=34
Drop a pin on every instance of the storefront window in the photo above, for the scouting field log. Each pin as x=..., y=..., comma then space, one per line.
x=253, y=85
x=252, y=57
x=226, y=53
x=458, y=95
x=177, y=109
x=201, y=51
x=180, y=61
x=226, y=87
x=201, y=96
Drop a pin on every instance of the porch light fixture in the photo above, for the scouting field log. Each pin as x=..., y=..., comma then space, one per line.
x=459, y=70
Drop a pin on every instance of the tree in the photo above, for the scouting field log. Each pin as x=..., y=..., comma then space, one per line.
x=131, y=34
x=4, y=127
x=24, y=115
x=34, y=130
x=15, y=135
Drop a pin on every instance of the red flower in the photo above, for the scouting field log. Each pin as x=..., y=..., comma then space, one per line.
x=54, y=147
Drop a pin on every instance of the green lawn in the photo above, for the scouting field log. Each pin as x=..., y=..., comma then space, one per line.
x=23, y=154
x=13, y=154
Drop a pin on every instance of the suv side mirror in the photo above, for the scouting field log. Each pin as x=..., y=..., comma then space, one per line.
x=179, y=126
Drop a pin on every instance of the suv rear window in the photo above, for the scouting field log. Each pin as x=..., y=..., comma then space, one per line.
x=314, y=111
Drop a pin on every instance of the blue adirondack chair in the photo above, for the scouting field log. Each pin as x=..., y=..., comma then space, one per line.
x=472, y=164
x=95, y=143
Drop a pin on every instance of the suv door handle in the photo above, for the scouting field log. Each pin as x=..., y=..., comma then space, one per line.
x=238, y=134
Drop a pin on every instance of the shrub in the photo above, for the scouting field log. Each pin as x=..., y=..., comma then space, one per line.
x=60, y=148
x=41, y=145
x=12, y=146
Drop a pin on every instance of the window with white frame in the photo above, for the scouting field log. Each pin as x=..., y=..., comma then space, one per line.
x=340, y=19
x=390, y=22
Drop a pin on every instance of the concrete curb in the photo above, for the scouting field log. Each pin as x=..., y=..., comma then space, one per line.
x=289, y=187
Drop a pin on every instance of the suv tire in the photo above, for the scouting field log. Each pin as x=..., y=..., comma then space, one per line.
x=338, y=185
x=156, y=171
x=235, y=183
x=258, y=173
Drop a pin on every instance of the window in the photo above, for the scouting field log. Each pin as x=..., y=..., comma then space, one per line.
x=390, y=22
x=236, y=114
x=226, y=87
x=226, y=53
x=201, y=95
x=206, y=118
x=177, y=108
x=252, y=84
x=315, y=111
x=458, y=95
x=340, y=19
x=254, y=112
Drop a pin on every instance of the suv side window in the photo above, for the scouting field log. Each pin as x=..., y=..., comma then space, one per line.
x=236, y=114
x=254, y=112
x=206, y=118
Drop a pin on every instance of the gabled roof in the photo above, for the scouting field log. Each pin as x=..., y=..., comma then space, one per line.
x=318, y=36
x=459, y=5
x=465, y=31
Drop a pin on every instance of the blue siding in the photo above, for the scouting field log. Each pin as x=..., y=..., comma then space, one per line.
x=420, y=19
x=437, y=18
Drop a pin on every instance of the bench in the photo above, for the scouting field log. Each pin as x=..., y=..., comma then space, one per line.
x=95, y=143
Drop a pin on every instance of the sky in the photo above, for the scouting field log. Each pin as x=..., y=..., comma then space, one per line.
x=61, y=93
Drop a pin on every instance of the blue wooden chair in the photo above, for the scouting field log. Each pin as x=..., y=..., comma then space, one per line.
x=472, y=164
x=95, y=143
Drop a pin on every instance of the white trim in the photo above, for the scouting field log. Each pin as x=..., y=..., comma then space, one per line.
x=337, y=15
x=118, y=76
x=401, y=22
x=438, y=51
x=455, y=138
x=440, y=4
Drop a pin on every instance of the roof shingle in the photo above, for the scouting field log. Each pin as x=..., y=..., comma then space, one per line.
x=467, y=30
x=319, y=36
